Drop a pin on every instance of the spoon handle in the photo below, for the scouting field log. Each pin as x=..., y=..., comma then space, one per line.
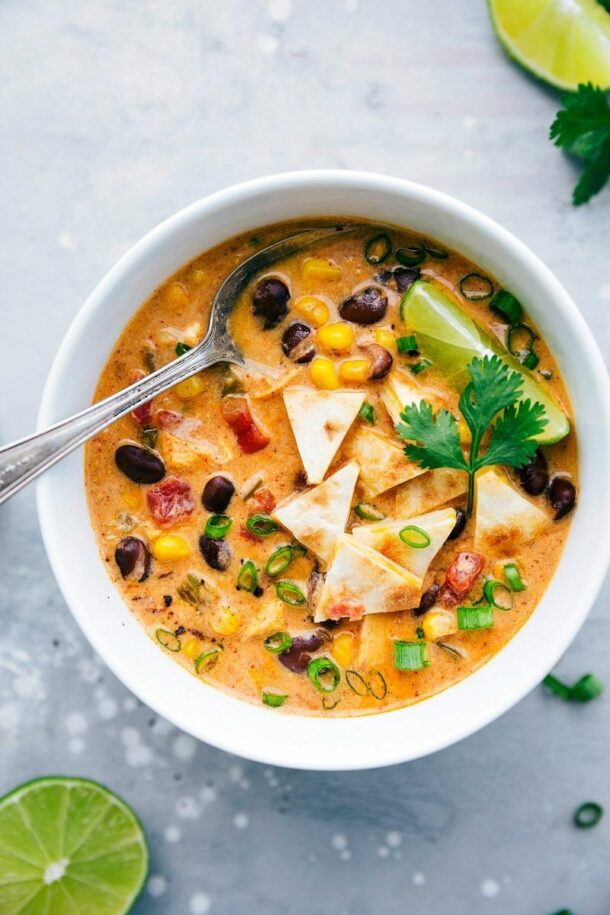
x=25, y=459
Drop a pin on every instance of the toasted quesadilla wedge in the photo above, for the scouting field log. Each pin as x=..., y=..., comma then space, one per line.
x=382, y=461
x=430, y=490
x=422, y=538
x=504, y=518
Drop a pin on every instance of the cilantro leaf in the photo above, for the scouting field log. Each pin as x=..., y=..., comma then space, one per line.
x=582, y=128
x=493, y=387
x=438, y=437
x=512, y=439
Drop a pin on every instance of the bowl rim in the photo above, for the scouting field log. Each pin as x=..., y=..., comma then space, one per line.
x=370, y=757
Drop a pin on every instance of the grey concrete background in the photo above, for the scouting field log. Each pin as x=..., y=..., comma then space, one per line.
x=115, y=113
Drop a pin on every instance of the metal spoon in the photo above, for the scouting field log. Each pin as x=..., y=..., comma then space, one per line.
x=27, y=458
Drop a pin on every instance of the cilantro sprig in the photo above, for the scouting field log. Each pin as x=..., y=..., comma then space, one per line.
x=489, y=405
x=582, y=128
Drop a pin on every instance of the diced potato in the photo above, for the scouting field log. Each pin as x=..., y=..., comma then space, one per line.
x=270, y=618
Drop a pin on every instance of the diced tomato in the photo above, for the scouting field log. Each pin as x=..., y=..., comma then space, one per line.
x=170, y=501
x=460, y=576
x=264, y=501
x=143, y=413
x=236, y=412
x=247, y=534
x=168, y=419
x=348, y=608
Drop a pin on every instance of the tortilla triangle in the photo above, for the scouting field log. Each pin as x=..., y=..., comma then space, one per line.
x=430, y=490
x=383, y=464
x=385, y=537
x=504, y=518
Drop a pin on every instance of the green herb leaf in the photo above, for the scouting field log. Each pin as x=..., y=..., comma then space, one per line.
x=437, y=436
x=493, y=388
x=512, y=439
x=582, y=128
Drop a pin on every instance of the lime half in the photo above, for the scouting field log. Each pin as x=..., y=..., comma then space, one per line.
x=69, y=847
x=564, y=42
x=451, y=339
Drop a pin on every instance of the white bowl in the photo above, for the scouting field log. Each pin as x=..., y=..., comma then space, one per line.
x=257, y=732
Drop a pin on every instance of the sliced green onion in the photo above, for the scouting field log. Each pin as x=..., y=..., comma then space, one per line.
x=475, y=287
x=530, y=360
x=247, y=580
x=217, y=526
x=378, y=248
x=149, y=437
x=421, y=366
x=368, y=413
x=410, y=655
x=588, y=815
x=513, y=579
x=407, y=345
x=262, y=525
x=182, y=348
x=207, y=659
x=356, y=683
x=278, y=642
x=378, y=687
x=562, y=690
x=475, y=617
x=368, y=512
x=410, y=256
x=324, y=674
x=150, y=363
x=438, y=254
x=168, y=640
x=415, y=537
x=419, y=632
x=498, y=595
x=274, y=700
x=232, y=384
x=507, y=305
x=330, y=704
x=520, y=339
x=452, y=649
x=587, y=688
x=290, y=593
x=547, y=374
x=280, y=559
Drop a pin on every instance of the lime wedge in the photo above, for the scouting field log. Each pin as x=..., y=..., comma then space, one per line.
x=451, y=339
x=563, y=42
x=69, y=847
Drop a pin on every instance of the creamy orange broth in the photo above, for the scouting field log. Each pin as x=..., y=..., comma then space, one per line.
x=178, y=311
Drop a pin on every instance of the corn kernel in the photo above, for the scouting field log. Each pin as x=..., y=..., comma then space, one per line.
x=315, y=310
x=438, y=623
x=385, y=338
x=190, y=387
x=343, y=649
x=226, y=621
x=323, y=373
x=355, y=370
x=464, y=431
x=169, y=547
x=315, y=269
x=133, y=499
x=339, y=336
x=176, y=295
x=192, y=649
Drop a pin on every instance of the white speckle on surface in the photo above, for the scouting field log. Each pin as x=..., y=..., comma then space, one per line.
x=604, y=292
x=469, y=122
x=200, y=904
x=241, y=820
x=55, y=871
x=161, y=727
x=393, y=838
x=351, y=5
x=139, y=755
x=418, y=879
x=267, y=44
x=107, y=708
x=279, y=10
x=89, y=670
x=383, y=851
x=490, y=888
x=27, y=683
x=236, y=773
x=187, y=807
x=9, y=716
x=244, y=784
x=207, y=794
x=345, y=854
x=67, y=241
x=130, y=737
x=76, y=745
x=339, y=841
x=172, y=834
x=184, y=747
x=156, y=886
x=129, y=704
x=76, y=723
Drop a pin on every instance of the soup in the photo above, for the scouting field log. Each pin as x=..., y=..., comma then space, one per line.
x=371, y=508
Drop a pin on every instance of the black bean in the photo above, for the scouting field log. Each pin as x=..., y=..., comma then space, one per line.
x=562, y=496
x=298, y=655
x=217, y=553
x=534, y=477
x=404, y=277
x=133, y=558
x=381, y=361
x=296, y=342
x=367, y=306
x=460, y=524
x=383, y=277
x=139, y=464
x=217, y=494
x=270, y=300
x=428, y=600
